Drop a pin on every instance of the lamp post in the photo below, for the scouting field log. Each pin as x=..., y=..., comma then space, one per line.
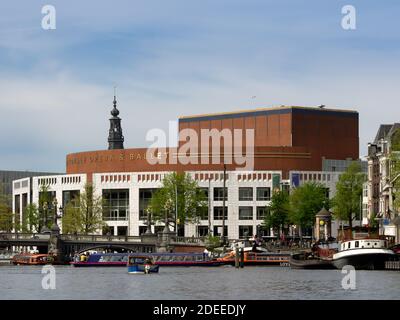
x=45, y=229
x=148, y=231
x=55, y=203
x=55, y=228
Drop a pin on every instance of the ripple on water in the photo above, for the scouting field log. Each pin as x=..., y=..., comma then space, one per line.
x=24, y=282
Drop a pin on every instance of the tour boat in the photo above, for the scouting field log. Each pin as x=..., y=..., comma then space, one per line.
x=258, y=257
x=162, y=259
x=142, y=264
x=363, y=254
x=32, y=259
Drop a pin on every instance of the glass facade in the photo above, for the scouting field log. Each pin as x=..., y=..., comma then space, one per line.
x=219, y=194
x=263, y=194
x=116, y=204
x=145, y=196
x=218, y=215
x=245, y=231
x=246, y=194
x=245, y=213
x=262, y=212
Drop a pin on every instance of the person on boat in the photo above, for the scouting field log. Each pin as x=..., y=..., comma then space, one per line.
x=205, y=254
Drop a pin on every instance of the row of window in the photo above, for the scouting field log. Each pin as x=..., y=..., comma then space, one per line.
x=116, y=203
x=245, y=213
x=203, y=231
x=245, y=194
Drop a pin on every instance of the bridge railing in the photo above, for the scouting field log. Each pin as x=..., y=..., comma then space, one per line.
x=183, y=240
x=99, y=238
x=24, y=236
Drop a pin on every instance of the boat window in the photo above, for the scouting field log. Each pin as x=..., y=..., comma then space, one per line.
x=124, y=259
x=179, y=258
x=368, y=244
x=137, y=260
x=343, y=246
x=349, y=245
x=116, y=258
x=357, y=243
x=105, y=259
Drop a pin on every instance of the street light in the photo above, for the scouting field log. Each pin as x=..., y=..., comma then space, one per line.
x=148, y=231
x=45, y=229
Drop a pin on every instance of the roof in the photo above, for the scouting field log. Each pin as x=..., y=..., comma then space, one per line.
x=324, y=213
x=382, y=132
x=263, y=111
x=393, y=129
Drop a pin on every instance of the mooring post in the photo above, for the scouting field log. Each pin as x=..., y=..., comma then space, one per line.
x=242, y=257
x=237, y=257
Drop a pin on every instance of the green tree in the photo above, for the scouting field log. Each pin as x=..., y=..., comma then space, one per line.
x=305, y=202
x=347, y=201
x=278, y=215
x=31, y=218
x=181, y=191
x=84, y=214
x=395, y=168
x=6, y=215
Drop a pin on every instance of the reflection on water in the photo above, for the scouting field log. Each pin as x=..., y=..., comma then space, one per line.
x=24, y=282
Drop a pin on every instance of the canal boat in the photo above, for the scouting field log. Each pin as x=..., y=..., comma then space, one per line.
x=306, y=260
x=142, y=264
x=162, y=259
x=363, y=254
x=257, y=258
x=32, y=259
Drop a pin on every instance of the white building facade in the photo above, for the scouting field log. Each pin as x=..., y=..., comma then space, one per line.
x=248, y=196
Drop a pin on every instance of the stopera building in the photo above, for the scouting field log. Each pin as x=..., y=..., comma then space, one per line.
x=292, y=145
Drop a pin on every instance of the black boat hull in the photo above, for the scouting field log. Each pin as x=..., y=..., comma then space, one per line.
x=368, y=261
x=299, y=262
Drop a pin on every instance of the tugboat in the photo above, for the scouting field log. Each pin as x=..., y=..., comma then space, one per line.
x=363, y=254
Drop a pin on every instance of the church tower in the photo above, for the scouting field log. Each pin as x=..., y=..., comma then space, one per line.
x=115, y=137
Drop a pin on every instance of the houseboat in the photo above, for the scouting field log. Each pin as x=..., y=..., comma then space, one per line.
x=162, y=259
x=32, y=259
x=254, y=258
x=142, y=264
x=363, y=254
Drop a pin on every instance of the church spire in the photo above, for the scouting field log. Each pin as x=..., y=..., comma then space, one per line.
x=115, y=137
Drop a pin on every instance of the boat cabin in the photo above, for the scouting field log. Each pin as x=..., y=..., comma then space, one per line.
x=363, y=244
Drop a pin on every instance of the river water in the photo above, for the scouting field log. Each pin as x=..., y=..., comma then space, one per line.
x=214, y=283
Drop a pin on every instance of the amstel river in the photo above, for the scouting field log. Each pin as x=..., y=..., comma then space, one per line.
x=175, y=283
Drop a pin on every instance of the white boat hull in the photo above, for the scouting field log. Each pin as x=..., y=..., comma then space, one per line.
x=363, y=259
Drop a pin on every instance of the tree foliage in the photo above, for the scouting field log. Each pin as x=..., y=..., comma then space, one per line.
x=395, y=168
x=6, y=215
x=278, y=215
x=181, y=191
x=31, y=218
x=305, y=202
x=347, y=201
x=395, y=141
x=44, y=212
x=84, y=214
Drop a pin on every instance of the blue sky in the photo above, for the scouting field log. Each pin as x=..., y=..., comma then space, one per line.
x=170, y=58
